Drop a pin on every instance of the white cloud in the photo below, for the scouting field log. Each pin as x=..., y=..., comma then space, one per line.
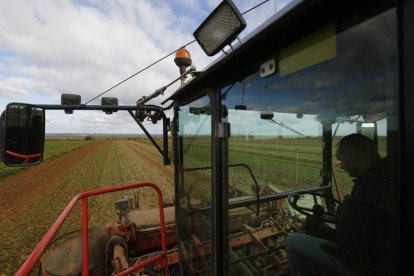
x=84, y=47
x=12, y=88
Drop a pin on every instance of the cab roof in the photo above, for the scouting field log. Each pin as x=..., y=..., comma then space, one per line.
x=293, y=22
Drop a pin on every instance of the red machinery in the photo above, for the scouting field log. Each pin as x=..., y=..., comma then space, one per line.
x=131, y=248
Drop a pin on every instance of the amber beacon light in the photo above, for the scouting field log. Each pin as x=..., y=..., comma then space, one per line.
x=182, y=59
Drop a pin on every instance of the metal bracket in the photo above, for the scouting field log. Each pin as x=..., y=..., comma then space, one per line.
x=222, y=130
x=268, y=68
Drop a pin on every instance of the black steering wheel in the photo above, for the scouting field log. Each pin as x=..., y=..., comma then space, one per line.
x=317, y=211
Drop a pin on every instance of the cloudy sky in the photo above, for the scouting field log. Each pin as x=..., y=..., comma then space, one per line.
x=50, y=47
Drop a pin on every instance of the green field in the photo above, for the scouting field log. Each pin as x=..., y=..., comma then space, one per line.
x=287, y=163
x=53, y=149
x=32, y=199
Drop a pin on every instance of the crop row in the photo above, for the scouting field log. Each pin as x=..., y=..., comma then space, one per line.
x=53, y=149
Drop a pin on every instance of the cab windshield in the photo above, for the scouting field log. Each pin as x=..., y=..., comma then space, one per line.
x=285, y=119
x=331, y=83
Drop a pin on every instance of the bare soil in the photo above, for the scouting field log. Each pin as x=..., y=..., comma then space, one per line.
x=32, y=199
x=28, y=185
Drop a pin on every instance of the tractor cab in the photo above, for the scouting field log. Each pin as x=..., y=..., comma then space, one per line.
x=258, y=129
x=254, y=134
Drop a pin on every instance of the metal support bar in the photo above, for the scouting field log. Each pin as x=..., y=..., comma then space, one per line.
x=327, y=164
x=85, y=245
x=86, y=107
x=165, y=122
x=192, y=69
x=145, y=131
x=160, y=91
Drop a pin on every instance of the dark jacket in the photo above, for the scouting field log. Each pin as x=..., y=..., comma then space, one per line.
x=366, y=220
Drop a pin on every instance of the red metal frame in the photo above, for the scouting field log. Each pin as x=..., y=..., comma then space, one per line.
x=34, y=257
x=149, y=243
x=25, y=157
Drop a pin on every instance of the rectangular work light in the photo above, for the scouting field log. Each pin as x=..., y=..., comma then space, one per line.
x=109, y=101
x=70, y=99
x=220, y=28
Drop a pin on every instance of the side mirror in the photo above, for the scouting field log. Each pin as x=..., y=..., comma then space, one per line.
x=22, y=134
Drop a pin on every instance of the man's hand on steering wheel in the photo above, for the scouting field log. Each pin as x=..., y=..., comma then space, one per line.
x=317, y=210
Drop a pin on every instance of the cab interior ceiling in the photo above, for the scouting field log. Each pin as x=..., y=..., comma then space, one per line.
x=253, y=52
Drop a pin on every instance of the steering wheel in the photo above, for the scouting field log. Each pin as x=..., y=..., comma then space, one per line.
x=317, y=211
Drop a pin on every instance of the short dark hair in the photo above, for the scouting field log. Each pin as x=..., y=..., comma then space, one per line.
x=358, y=143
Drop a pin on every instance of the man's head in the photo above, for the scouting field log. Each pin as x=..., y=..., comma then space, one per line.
x=357, y=154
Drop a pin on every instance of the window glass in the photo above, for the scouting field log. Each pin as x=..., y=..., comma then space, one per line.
x=278, y=121
x=340, y=79
x=194, y=211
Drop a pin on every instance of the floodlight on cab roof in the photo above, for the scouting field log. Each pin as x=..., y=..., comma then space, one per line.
x=220, y=28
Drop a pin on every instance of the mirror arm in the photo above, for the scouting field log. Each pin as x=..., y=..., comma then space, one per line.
x=165, y=120
x=85, y=107
x=129, y=108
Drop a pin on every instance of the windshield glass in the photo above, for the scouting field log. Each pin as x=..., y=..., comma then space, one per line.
x=330, y=82
x=284, y=150
x=275, y=131
x=194, y=213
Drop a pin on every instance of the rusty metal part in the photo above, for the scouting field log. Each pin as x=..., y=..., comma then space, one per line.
x=240, y=266
x=270, y=189
x=119, y=260
x=151, y=218
x=199, y=249
x=274, y=260
x=149, y=240
x=127, y=231
x=116, y=254
x=264, y=233
x=67, y=258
